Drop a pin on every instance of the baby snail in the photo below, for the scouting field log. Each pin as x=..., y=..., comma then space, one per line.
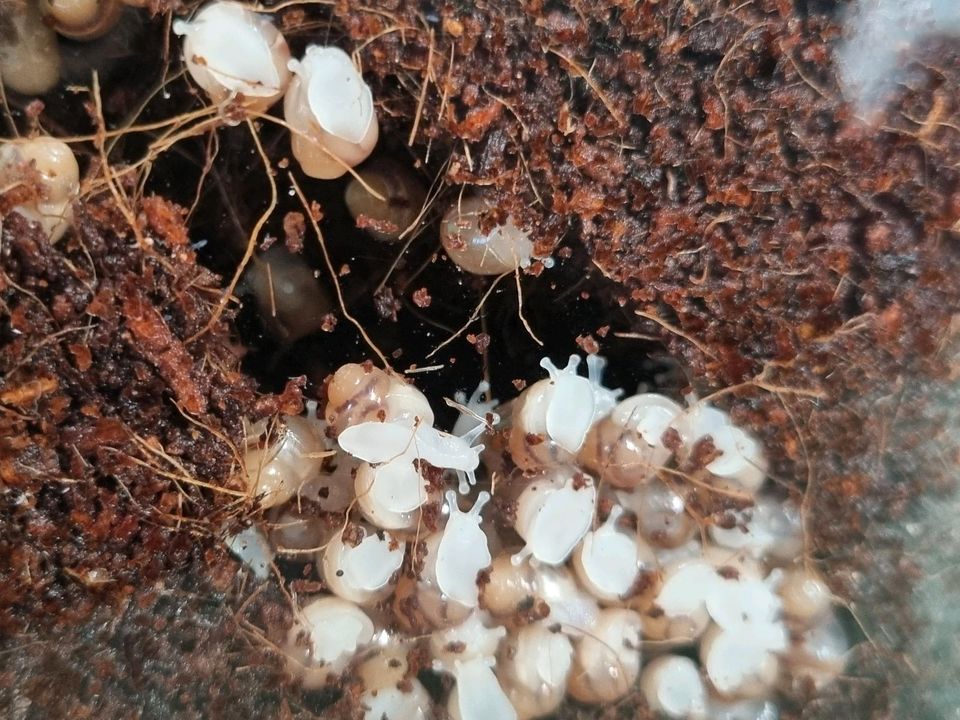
x=403, y=198
x=81, y=19
x=29, y=55
x=330, y=111
x=47, y=169
x=233, y=53
x=503, y=249
x=551, y=418
x=542, y=586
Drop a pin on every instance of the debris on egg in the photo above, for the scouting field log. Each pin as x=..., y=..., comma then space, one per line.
x=626, y=447
x=359, y=565
x=234, y=53
x=390, y=689
x=330, y=111
x=741, y=460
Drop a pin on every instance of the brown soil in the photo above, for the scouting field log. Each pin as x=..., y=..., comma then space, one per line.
x=707, y=193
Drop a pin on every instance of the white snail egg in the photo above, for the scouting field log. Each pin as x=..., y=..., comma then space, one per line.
x=361, y=570
x=469, y=640
x=390, y=691
x=806, y=597
x=478, y=694
x=231, y=51
x=460, y=553
x=743, y=662
x=534, y=666
x=673, y=687
x=291, y=455
x=770, y=527
x=554, y=512
x=741, y=461
x=608, y=560
x=330, y=110
x=326, y=634
x=682, y=601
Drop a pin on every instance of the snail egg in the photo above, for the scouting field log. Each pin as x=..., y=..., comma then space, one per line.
x=290, y=456
x=48, y=167
x=504, y=249
x=326, y=634
x=29, y=54
x=553, y=515
x=362, y=571
x=330, y=110
x=673, y=687
x=82, y=19
x=232, y=52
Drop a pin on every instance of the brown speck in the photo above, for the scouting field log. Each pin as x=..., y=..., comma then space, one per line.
x=294, y=228
x=421, y=298
x=329, y=322
x=588, y=344
x=728, y=573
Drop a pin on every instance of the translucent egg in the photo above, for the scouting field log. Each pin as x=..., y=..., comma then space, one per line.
x=281, y=459
x=49, y=169
x=626, y=448
x=503, y=249
x=403, y=194
x=606, y=661
x=82, y=19
x=29, y=55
